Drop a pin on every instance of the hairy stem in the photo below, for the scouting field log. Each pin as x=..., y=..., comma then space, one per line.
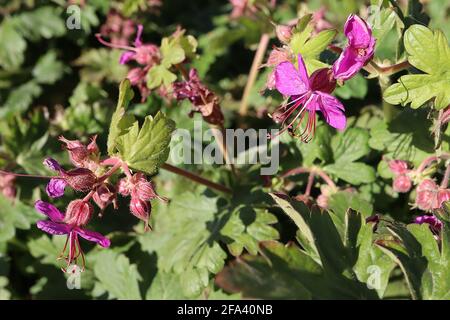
x=196, y=178
x=314, y=170
x=257, y=60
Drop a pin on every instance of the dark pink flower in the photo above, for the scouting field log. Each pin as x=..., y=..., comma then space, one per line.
x=57, y=226
x=434, y=223
x=359, y=51
x=304, y=98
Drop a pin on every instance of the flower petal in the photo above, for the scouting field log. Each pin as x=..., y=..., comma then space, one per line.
x=358, y=32
x=53, y=227
x=94, y=237
x=52, y=164
x=55, y=188
x=126, y=57
x=332, y=110
x=49, y=210
x=289, y=81
x=347, y=65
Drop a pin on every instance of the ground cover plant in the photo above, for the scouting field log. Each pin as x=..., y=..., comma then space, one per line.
x=268, y=149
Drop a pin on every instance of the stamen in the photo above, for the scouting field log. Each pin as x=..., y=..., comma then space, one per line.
x=114, y=46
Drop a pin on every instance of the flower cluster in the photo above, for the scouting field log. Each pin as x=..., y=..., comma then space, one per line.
x=203, y=100
x=429, y=196
x=96, y=178
x=145, y=55
x=308, y=94
x=117, y=28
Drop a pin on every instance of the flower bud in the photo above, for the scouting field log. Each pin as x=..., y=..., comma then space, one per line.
x=402, y=183
x=398, y=166
x=123, y=187
x=78, y=152
x=92, y=146
x=277, y=56
x=323, y=80
x=426, y=198
x=284, y=33
x=104, y=195
x=322, y=201
x=80, y=179
x=140, y=209
x=147, y=55
x=78, y=213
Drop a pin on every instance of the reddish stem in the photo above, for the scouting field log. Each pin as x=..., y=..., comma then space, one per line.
x=196, y=178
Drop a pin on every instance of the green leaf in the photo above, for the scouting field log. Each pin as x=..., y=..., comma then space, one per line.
x=356, y=87
x=247, y=227
x=120, y=121
x=48, y=70
x=145, y=149
x=396, y=140
x=13, y=46
x=311, y=46
x=20, y=99
x=117, y=276
x=426, y=266
x=44, y=22
x=354, y=172
x=429, y=52
x=350, y=145
x=172, y=52
x=190, y=231
x=160, y=75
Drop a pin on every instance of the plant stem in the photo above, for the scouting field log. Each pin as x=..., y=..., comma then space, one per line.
x=444, y=183
x=28, y=175
x=310, y=183
x=314, y=170
x=220, y=140
x=196, y=178
x=257, y=60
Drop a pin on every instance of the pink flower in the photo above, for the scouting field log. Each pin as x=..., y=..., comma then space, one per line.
x=305, y=97
x=59, y=224
x=430, y=196
x=104, y=195
x=359, y=51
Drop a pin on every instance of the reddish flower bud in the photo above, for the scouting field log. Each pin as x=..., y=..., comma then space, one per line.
x=105, y=195
x=277, y=56
x=322, y=201
x=430, y=196
x=80, y=179
x=323, y=80
x=78, y=213
x=147, y=55
x=7, y=185
x=123, y=187
x=402, y=183
x=398, y=166
x=92, y=146
x=284, y=33
x=443, y=196
x=78, y=152
x=140, y=209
